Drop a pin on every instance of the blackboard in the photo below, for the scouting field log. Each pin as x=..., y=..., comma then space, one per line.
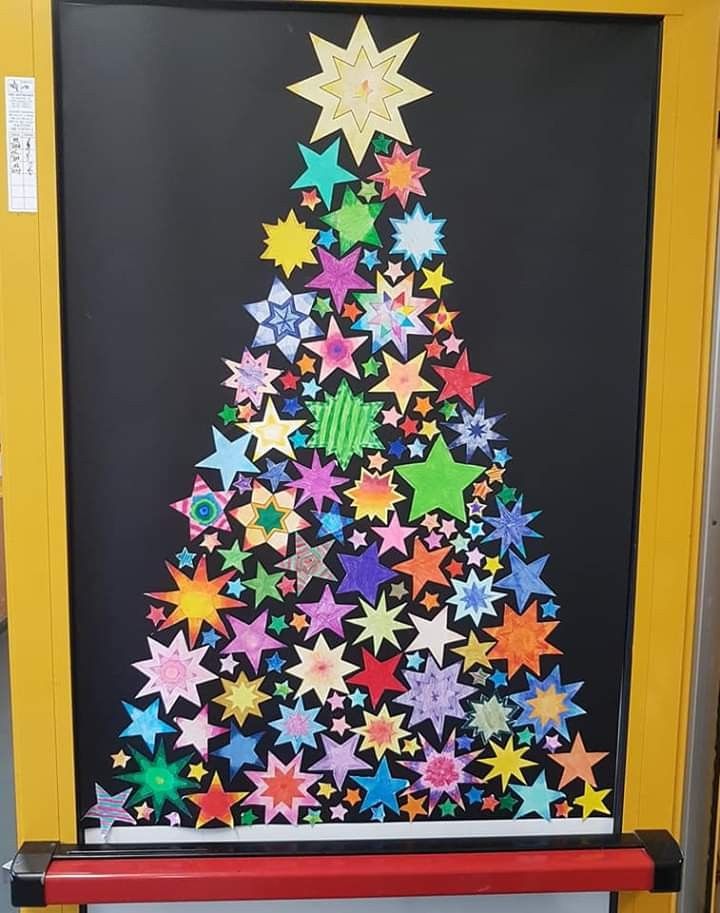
x=179, y=148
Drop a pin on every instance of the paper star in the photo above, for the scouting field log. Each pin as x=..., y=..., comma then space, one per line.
x=354, y=222
x=434, y=694
x=298, y=726
x=269, y=519
x=393, y=535
x=547, y=704
x=283, y=319
x=473, y=598
x=325, y=614
x=282, y=789
x=424, y=566
x=536, y=798
x=489, y=718
x=229, y=457
x=392, y=313
x=251, y=377
x=271, y=432
x=524, y=580
x=439, y=482
x=322, y=171
x=204, y=507
x=511, y=527
x=158, y=779
x=378, y=676
x=339, y=758
x=289, y=243
x=264, y=585
x=145, y=724
x=418, y=237
x=345, y=424
x=459, y=381
x=507, y=762
x=174, y=671
x=436, y=280
x=109, y=809
x=241, y=698
x=400, y=174
x=339, y=275
x=359, y=89
x=120, y=759
x=476, y=431
x=578, y=763
x=522, y=640
x=592, y=800
x=364, y=573
x=442, y=773
x=251, y=639
x=474, y=652
x=336, y=351
x=215, y=804
x=240, y=751
x=381, y=788
x=321, y=669
x=403, y=379
x=374, y=495
x=381, y=732
x=308, y=562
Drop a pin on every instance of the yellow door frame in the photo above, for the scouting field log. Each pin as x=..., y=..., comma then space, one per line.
x=673, y=443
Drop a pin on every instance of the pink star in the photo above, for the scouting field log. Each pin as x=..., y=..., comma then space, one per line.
x=394, y=271
x=210, y=541
x=430, y=522
x=393, y=535
x=358, y=539
x=336, y=351
x=326, y=614
x=391, y=416
x=338, y=812
x=286, y=586
x=317, y=482
x=337, y=701
x=174, y=671
x=448, y=528
x=433, y=540
x=453, y=344
x=552, y=743
x=251, y=639
x=338, y=276
x=340, y=725
x=197, y=732
x=213, y=503
x=282, y=789
x=173, y=819
x=156, y=615
x=475, y=557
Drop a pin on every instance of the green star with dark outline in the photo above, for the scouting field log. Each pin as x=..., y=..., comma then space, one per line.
x=354, y=222
x=233, y=557
x=228, y=414
x=159, y=779
x=264, y=585
x=269, y=518
x=448, y=809
x=322, y=305
x=381, y=143
x=345, y=424
x=248, y=817
x=277, y=624
x=506, y=495
x=371, y=367
x=508, y=802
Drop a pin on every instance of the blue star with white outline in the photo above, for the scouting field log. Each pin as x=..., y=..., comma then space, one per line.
x=185, y=558
x=275, y=473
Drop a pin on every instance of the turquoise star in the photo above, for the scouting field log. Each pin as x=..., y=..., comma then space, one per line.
x=536, y=798
x=229, y=458
x=382, y=788
x=322, y=171
x=145, y=724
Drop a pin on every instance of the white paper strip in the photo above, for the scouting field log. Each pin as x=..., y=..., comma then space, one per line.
x=20, y=135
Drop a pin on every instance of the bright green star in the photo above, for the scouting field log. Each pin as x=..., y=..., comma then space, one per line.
x=322, y=306
x=371, y=367
x=448, y=808
x=264, y=584
x=345, y=424
x=233, y=557
x=438, y=482
x=354, y=222
x=228, y=414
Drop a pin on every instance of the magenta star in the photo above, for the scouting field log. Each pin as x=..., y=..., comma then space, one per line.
x=338, y=275
x=393, y=535
x=251, y=639
x=316, y=482
x=325, y=614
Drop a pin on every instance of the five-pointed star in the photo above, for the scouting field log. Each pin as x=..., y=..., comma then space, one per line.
x=359, y=89
x=578, y=763
x=229, y=457
x=424, y=566
x=215, y=804
x=433, y=634
x=436, y=279
x=322, y=171
x=336, y=351
x=439, y=482
x=459, y=380
x=403, y=379
x=339, y=276
x=354, y=221
x=272, y=432
x=474, y=652
x=593, y=800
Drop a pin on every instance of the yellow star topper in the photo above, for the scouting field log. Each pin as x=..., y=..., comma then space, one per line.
x=359, y=89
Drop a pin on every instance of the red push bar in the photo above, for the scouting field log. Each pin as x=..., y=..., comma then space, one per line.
x=45, y=873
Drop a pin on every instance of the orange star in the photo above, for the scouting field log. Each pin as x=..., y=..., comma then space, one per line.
x=442, y=318
x=423, y=405
x=414, y=806
x=521, y=640
x=215, y=804
x=434, y=349
x=424, y=566
x=430, y=601
x=352, y=796
x=577, y=764
x=245, y=413
x=481, y=490
x=351, y=311
x=495, y=473
x=562, y=809
x=197, y=600
x=299, y=622
x=310, y=199
x=306, y=364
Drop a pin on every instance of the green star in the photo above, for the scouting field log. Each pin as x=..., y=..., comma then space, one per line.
x=448, y=409
x=278, y=624
x=322, y=306
x=233, y=557
x=524, y=737
x=368, y=190
x=354, y=222
x=265, y=585
x=269, y=518
x=508, y=802
x=448, y=808
x=438, y=482
x=322, y=171
x=506, y=495
x=248, y=817
x=345, y=424
x=381, y=143
x=282, y=689
x=313, y=816
x=159, y=780
x=371, y=367
x=228, y=414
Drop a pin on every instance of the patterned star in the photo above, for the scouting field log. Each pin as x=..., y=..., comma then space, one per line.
x=283, y=319
x=173, y=671
x=336, y=352
x=109, y=809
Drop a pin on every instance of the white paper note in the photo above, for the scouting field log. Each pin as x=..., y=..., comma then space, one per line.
x=20, y=133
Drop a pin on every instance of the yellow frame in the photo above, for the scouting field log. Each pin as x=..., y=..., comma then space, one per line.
x=675, y=411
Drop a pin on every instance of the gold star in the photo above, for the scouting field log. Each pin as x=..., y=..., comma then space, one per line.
x=359, y=89
x=326, y=790
x=474, y=652
x=507, y=762
x=196, y=771
x=593, y=800
x=410, y=746
x=289, y=244
x=492, y=565
x=120, y=759
x=428, y=429
x=241, y=698
x=495, y=473
x=435, y=279
x=414, y=806
x=306, y=364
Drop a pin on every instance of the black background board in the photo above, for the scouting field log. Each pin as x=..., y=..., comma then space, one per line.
x=178, y=138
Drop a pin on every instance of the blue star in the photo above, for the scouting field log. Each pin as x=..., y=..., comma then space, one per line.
x=326, y=238
x=298, y=726
x=414, y=661
x=561, y=695
x=185, y=558
x=240, y=750
x=311, y=388
x=382, y=788
x=524, y=580
x=397, y=448
x=377, y=813
x=370, y=259
x=235, y=587
x=322, y=171
x=501, y=457
x=549, y=609
x=464, y=743
x=275, y=662
x=418, y=236
x=511, y=527
x=298, y=439
x=332, y=523
x=364, y=573
x=210, y=638
x=475, y=529
x=474, y=597
x=475, y=430
x=283, y=319
x=275, y=473
x=536, y=798
x=498, y=678
x=357, y=698
x=229, y=457
x=145, y=724
x=291, y=406
x=417, y=448
x=474, y=795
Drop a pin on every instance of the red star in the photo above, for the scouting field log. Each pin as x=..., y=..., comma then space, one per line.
x=409, y=426
x=156, y=614
x=310, y=199
x=454, y=568
x=286, y=586
x=459, y=380
x=562, y=809
x=215, y=804
x=378, y=676
x=434, y=349
x=289, y=381
x=424, y=566
x=490, y=803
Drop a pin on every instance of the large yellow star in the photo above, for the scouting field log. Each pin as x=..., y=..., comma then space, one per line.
x=403, y=379
x=593, y=800
x=272, y=432
x=507, y=762
x=289, y=244
x=359, y=89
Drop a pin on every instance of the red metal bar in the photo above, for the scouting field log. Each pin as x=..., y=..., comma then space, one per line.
x=315, y=877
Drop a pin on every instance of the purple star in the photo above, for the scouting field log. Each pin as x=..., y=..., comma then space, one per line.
x=340, y=758
x=251, y=639
x=316, y=482
x=434, y=694
x=325, y=614
x=364, y=573
x=338, y=276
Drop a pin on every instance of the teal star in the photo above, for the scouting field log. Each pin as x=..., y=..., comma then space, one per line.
x=277, y=624
x=322, y=171
x=536, y=798
x=448, y=809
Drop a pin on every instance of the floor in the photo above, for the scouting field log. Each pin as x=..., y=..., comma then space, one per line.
x=7, y=800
